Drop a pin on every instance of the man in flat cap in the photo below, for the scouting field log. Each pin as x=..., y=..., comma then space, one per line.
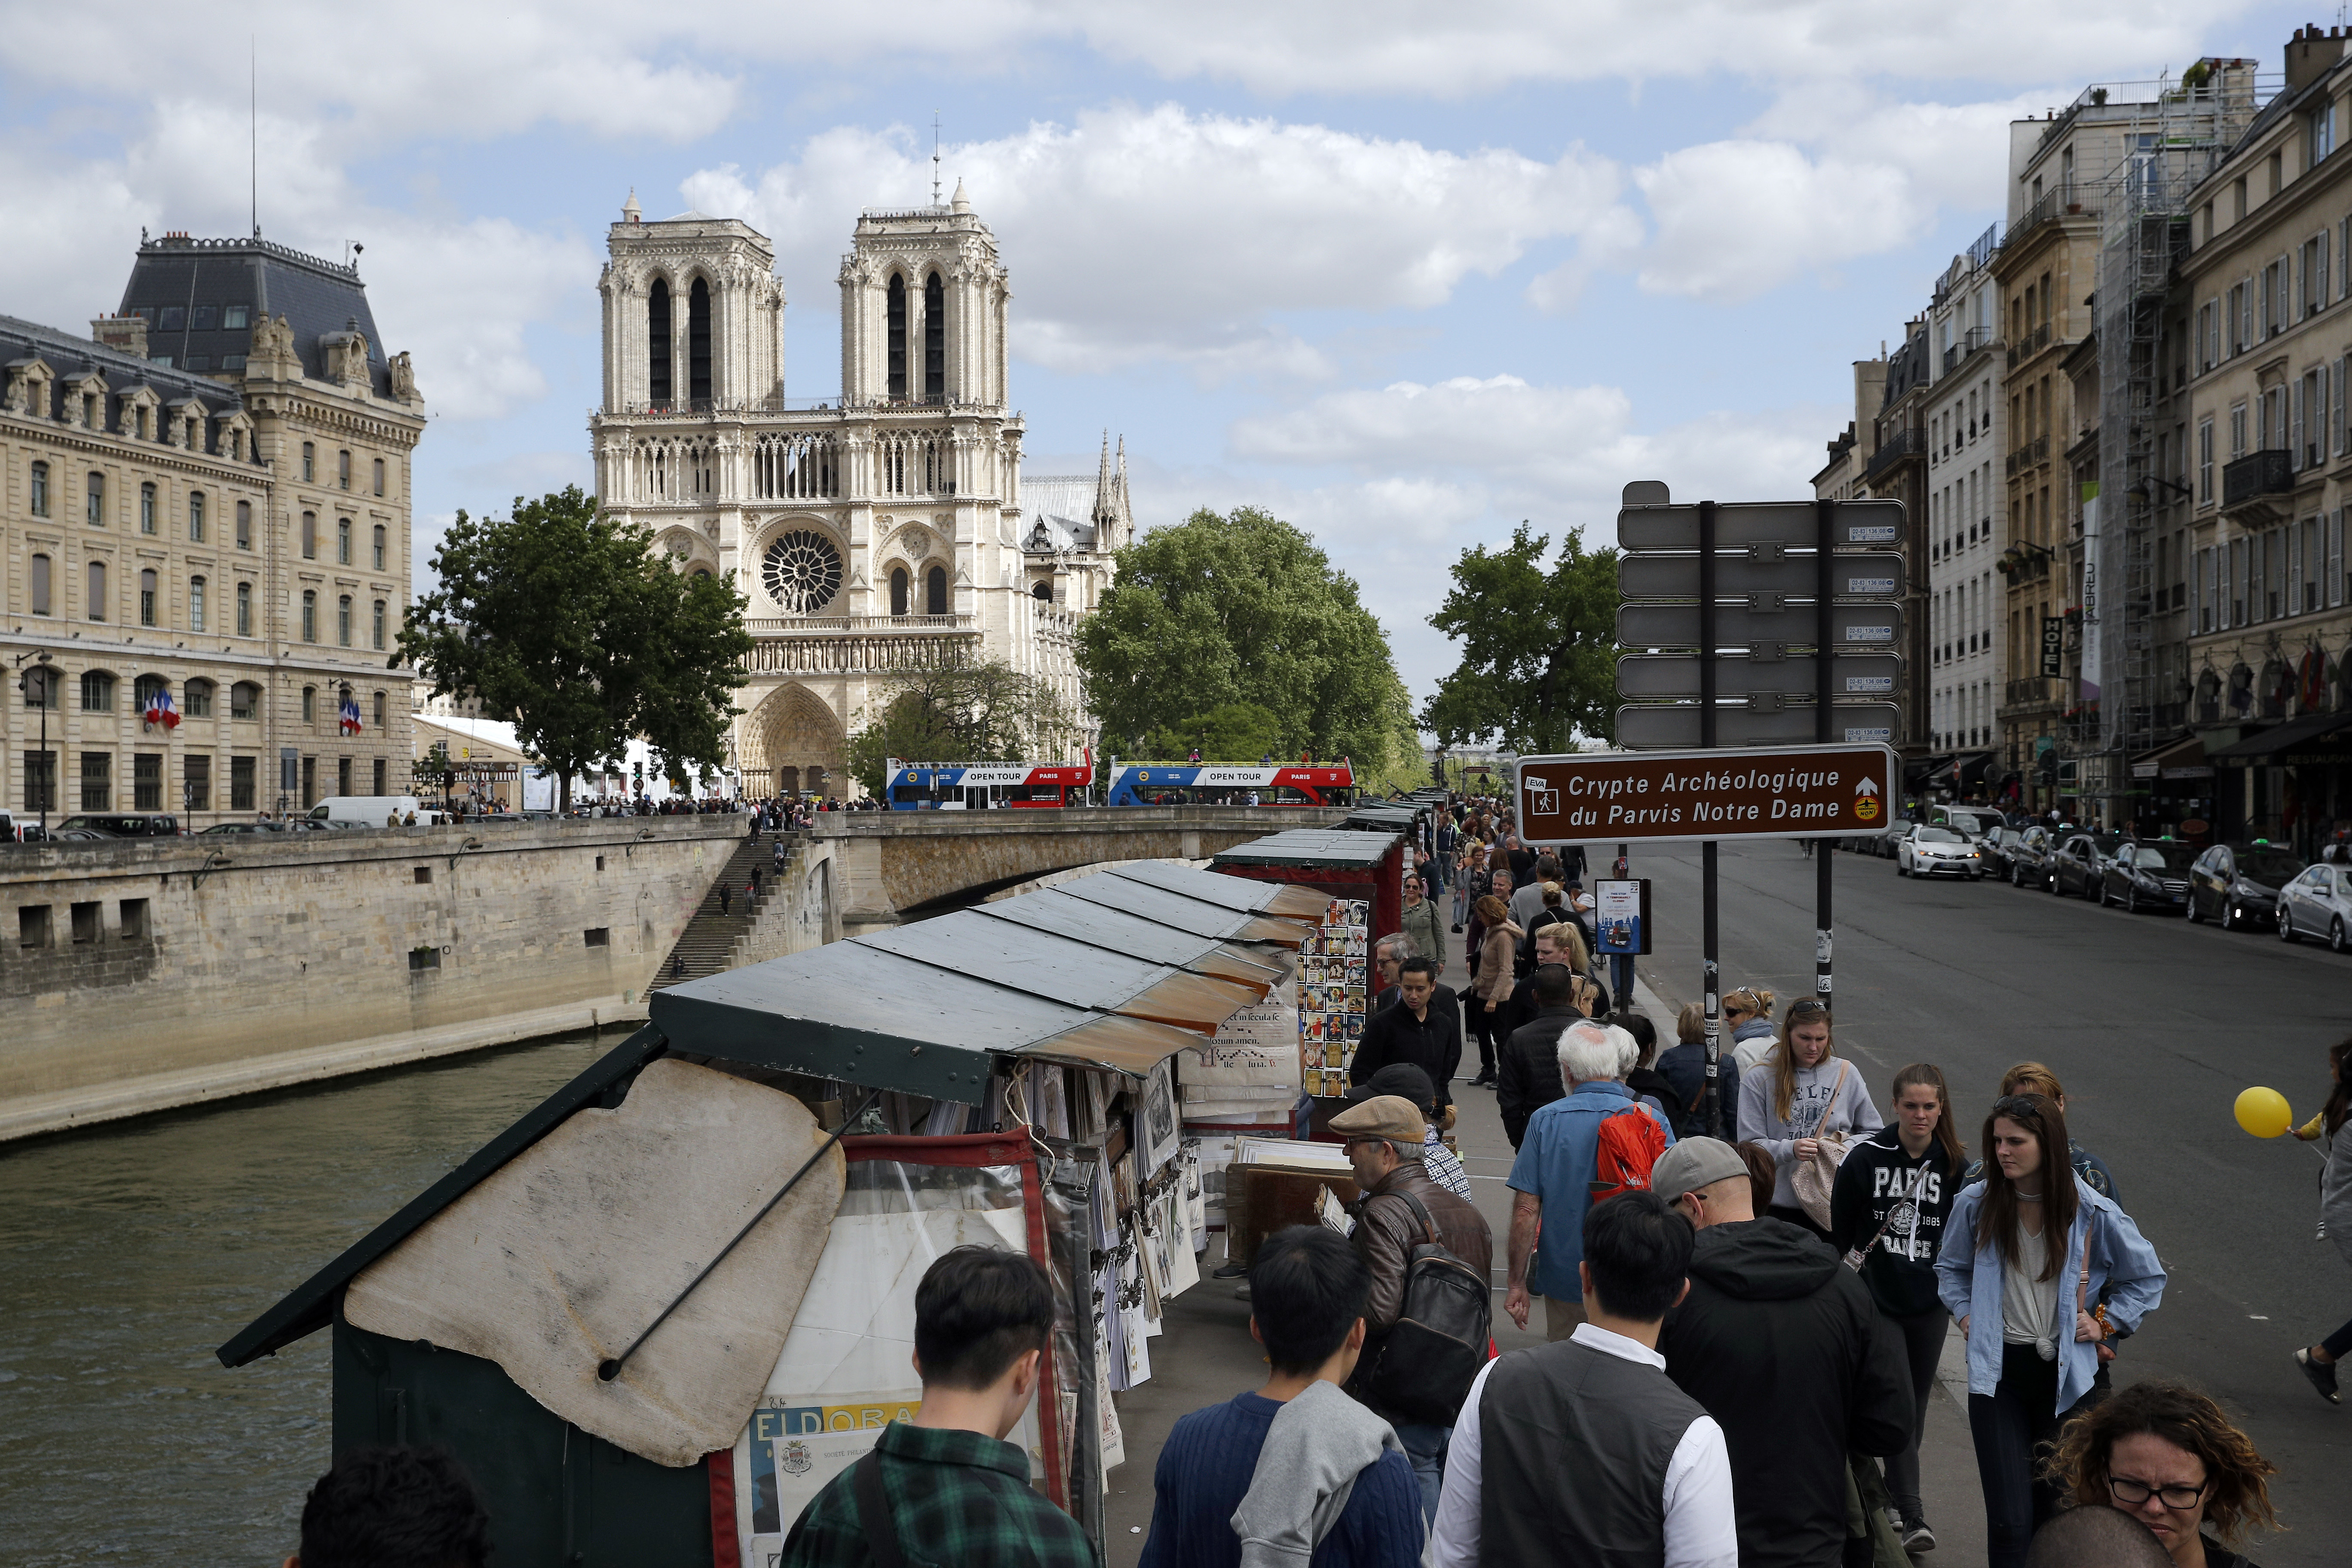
x=1403, y=1208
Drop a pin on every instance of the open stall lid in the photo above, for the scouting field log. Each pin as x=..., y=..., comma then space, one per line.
x=1077, y=974
x=1101, y=926
x=1312, y=849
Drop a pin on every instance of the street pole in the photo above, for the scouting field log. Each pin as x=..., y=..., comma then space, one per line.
x=1824, y=691
x=1710, y=980
x=1620, y=967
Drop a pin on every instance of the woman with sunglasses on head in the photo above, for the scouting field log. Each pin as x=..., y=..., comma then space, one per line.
x=1747, y=1025
x=1887, y=1216
x=1798, y=1096
x=2318, y=1361
x=2029, y=1250
x=2167, y=1457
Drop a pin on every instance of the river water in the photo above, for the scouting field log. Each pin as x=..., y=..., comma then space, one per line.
x=128, y=1254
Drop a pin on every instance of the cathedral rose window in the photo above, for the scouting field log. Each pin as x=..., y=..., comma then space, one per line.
x=802, y=571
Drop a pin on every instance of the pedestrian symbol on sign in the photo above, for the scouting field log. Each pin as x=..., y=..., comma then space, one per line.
x=1542, y=799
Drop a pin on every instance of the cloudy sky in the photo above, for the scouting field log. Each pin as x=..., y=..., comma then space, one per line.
x=1403, y=274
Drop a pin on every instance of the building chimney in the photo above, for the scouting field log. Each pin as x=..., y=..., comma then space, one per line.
x=2310, y=55
x=128, y=333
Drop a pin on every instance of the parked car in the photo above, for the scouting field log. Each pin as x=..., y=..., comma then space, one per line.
x=1977, y=822
x=120, y=825
x=2078, y=866
x=2029, y=857
x=1997, y=846
x=2147, y=876
x=242, y=827
x=2318, y=903
x=1927, y=850
x=2238, y=884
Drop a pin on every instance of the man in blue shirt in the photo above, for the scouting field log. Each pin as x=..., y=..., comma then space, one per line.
x=1270, y=1463
x=1551, y=1180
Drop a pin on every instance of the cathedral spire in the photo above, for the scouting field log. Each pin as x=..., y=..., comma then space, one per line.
x=630, y=212
x=1102, y=481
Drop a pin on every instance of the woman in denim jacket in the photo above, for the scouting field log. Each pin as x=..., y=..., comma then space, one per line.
x=2033, y=1348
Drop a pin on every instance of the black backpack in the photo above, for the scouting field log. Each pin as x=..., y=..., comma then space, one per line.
x=1426, y=1364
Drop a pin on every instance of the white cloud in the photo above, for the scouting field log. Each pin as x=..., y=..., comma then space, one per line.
x=1156, y=234
x=1737, y=219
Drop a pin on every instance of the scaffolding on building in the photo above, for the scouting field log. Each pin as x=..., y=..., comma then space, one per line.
x=2170, y=138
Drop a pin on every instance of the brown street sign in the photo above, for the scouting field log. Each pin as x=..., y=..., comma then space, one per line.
x=1773, y=792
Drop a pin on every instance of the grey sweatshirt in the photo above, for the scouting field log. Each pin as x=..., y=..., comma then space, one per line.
x=1319, y=1444
x=1811, y=1113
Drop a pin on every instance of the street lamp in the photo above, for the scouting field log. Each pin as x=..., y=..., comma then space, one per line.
x=41, y=679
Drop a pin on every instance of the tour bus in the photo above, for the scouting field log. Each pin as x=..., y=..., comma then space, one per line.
x=983, y=786
x=1232, y=784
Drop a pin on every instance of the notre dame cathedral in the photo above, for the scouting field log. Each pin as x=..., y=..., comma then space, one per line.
x=878, y=530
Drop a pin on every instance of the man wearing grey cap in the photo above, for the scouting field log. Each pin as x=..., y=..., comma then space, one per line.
x=1782, y=1345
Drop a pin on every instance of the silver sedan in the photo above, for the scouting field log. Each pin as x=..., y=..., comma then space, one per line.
x=2318, y=903
x=1930, y=851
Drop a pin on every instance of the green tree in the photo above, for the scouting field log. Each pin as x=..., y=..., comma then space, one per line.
x=1538, y=646
x=569, y=622
x=960, y=713
x=1241, y=609
x=1230, y=732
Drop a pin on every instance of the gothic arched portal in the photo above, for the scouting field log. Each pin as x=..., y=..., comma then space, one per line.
x=794, y=735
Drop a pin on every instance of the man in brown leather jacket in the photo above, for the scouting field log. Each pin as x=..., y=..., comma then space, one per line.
x=1384, y=1146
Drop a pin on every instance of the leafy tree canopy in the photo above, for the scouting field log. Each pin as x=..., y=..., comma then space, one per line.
x=568, y=623
x=1239, y=611
x=982, y=712
x=1229, y=732
x=1538, y=646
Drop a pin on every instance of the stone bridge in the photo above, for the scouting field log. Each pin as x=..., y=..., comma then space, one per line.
x=886, y=866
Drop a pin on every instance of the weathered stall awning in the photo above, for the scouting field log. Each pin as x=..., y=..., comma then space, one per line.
x=1185, y=911
x=1382, y=816
x=1312, y=848
x=1228, y=892
x=1077, y=974
x=1099, y=926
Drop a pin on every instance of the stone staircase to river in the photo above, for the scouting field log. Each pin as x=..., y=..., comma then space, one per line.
x=710, y=939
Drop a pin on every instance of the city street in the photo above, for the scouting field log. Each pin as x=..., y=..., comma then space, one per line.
x=2154, y=1026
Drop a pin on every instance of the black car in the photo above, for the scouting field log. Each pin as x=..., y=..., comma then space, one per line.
x=121, y=825
x=2080, y=863
x=2029, y=857
x=2148, y=875
x=2238, y=884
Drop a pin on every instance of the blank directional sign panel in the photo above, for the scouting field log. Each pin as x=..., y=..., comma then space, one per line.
x=1788, y=623
x=1859, y=525
x=1865, y=574
x=1668, y=727
x=1658, y=675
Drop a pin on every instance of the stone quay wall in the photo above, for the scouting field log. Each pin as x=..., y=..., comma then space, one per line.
x=139, y=975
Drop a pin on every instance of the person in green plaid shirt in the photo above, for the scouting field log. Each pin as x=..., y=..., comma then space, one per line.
x=946, y=1486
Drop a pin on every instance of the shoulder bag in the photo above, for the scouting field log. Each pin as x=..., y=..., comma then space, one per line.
x=1860, y=1255
x=874, y=1513
x=1426, y=1363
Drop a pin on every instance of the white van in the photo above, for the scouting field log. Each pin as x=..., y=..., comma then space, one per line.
x=369, y=810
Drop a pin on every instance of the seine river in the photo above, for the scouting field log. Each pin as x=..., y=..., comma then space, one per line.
x=128, y=1254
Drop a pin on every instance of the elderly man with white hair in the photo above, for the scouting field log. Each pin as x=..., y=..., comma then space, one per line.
x=1551, y=1180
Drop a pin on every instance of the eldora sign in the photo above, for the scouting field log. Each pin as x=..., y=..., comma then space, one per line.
x=1768, y=791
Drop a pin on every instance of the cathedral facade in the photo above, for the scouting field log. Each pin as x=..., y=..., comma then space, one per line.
x=881, y=530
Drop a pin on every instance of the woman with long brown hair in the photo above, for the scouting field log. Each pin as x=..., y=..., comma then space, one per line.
x=2168, y=1457
x=2318, y=1361
x=1491, y=987
x=1887, y=1216
x=2028, y=1251
x=1799, y=1096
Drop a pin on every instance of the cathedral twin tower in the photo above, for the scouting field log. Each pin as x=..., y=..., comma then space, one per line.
x=884, y=529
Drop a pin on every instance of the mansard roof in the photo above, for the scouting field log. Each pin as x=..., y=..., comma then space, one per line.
x=317, y=298
x=72, y=357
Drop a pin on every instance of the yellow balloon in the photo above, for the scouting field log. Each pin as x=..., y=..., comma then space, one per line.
x=2263, y=1112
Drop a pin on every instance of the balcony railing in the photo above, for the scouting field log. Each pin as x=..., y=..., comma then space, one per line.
x=701, y=407
x=1975, y=338
x=2256, y=475
x=1911, y=441
x=821, y=625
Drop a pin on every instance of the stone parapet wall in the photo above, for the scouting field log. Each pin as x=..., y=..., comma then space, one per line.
x=141, y=975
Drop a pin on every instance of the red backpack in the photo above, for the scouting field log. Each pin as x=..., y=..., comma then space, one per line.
x=1631, y=1142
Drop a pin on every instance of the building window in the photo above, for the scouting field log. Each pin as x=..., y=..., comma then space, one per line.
x=241, y=781
x=342, y=541
x=97, y=691
x=309, y=615
x=935, y=340
x=196, y=604
x=897, y=337
x=41, y=783
x=379, y=778
x=39, y=498
x=597, y=936
x=244, y=700
x=310, y=536
x=376, y=628
x=379, y=476
x=94, y=577
x=310, y=704
x=245, y=525
x=197, y=698
x=196, y=516
x=310, y=783
x=97, y=780
x=146, y=598
x=698, y=343
x=2205, y=463
x=37, y=584
x=898, y=589
x=344, y=469
x=378, y=719
x=935, y=591
x=146, y=509
x=379, y=547
x=343, y=776
x=344, y=621
x=146, y=781
x=196, y=783
x=657, y=339
x=94, y=501
x=245, y=609
x=309, y=464
x=233, y=318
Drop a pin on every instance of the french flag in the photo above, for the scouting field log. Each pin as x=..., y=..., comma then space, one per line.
x=160, y=710
x=351, y=724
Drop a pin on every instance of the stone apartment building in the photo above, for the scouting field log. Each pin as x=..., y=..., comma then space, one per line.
x=1966, y=516
x=1897, y=470
x=2260, y=577
x=207, y=499
x=874, y=530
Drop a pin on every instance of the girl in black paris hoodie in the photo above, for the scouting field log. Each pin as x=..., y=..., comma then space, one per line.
x=1892, y=1196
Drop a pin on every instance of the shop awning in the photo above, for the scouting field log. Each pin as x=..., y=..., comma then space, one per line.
x=2272, y=743
x=1973, y=767
x=2180, y=759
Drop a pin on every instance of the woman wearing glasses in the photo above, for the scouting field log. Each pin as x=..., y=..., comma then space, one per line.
x=1798, y=1096
x=2028, y=1251
x=1747, y=1017
x=2166, y=1455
